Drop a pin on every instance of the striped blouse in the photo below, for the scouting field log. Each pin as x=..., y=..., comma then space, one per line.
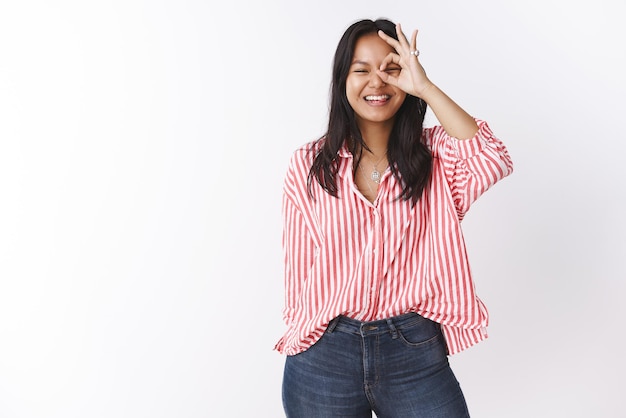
x=371, y=261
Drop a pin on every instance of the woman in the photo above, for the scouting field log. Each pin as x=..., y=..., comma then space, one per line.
x=378, y=289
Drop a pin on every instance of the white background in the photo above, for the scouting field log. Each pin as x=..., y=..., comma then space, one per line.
x=142, y=151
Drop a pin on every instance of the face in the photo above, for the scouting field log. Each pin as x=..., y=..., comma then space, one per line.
x=372, y=100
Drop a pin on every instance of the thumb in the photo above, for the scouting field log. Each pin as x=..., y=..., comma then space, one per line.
x=387, y=79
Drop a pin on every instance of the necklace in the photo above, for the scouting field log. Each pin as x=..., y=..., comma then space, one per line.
x=369, y=186
x=375, y=176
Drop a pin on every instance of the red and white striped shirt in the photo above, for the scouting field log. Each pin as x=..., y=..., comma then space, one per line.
x=371, y=261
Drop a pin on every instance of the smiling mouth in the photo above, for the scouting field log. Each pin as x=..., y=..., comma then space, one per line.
x=381, y=98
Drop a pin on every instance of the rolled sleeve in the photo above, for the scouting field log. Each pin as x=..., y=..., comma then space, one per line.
x=470, y=166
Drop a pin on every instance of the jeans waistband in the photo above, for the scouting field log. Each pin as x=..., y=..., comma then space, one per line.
x=390, y=325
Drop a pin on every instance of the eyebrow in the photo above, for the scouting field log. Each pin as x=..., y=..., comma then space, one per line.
x=360, y=62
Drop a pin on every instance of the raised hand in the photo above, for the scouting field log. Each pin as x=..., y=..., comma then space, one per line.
x=412, y=78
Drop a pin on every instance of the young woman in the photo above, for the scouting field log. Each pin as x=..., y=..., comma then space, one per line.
x=378, y=289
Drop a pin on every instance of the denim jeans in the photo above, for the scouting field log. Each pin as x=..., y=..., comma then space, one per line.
x=397, y=368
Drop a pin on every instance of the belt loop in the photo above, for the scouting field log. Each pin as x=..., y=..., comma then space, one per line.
x=392, y=327
x=332, y=324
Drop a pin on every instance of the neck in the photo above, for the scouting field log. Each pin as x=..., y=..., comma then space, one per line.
x=376, y=136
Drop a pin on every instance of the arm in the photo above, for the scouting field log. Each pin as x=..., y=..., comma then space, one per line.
x=413, y=80
x=456, y=121
x=298, y=244
x=470, y=167
x=298, y=251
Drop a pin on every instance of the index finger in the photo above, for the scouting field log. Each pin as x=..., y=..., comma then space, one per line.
x=391, y=41
x=403, y=41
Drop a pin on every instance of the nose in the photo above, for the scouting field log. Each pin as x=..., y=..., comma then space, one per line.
x=375, y=80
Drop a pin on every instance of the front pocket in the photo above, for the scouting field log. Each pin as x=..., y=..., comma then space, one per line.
x=419, y=333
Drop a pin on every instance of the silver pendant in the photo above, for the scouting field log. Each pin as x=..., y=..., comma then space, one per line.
x=375, y=176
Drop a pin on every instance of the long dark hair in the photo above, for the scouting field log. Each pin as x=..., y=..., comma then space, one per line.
x=409, y=159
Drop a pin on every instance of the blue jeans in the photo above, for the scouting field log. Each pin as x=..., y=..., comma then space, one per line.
x=397, y=367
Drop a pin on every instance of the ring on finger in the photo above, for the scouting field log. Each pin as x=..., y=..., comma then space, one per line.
x=416, y=53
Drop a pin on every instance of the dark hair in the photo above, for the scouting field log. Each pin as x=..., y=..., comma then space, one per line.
x=409, y=159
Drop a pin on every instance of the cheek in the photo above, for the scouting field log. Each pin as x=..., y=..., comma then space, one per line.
x=401, y=97
x=352, y=92
x=351, y=87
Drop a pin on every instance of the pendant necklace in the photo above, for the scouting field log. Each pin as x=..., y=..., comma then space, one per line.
x=369, y=186
x=375, y=176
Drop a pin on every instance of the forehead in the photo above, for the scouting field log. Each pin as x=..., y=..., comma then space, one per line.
x=371, y=47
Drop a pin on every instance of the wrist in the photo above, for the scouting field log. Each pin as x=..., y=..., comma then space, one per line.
x=427, y=92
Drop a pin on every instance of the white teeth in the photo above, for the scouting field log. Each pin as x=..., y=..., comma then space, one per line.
x=383, y=97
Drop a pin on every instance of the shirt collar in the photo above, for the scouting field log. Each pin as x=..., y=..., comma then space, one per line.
x=345, y=160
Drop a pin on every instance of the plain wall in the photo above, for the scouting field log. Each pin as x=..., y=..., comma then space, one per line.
x=142, y=152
